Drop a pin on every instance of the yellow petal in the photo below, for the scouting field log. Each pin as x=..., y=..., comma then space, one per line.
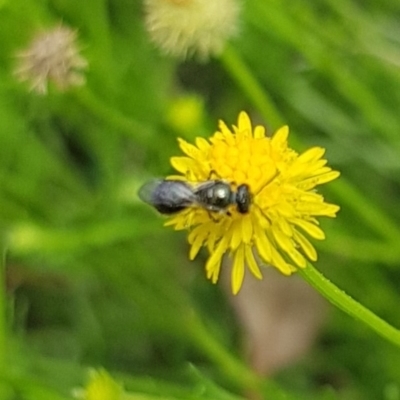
x=330, y=176
x=247, y=229
x=202, y=144
x=285, y=227
x=196, y=240
x=190, y=150
x=317, y=209
x=213, y=236
x=297, y=257
x=259, y=132
x=280, y=263
x=263, y=246
x=310, y=155
x=244, y=123
x=180, y=220
x=319, y=179
x=236, y=232
x=251, y=262
x=305, y=245
x=313, y=230
x=182, y=164
x=287, y=245
x=213, y=264
x=331, y=210
x=194, y=233
x=225, y=135
x=280, y=137
x=238, y=270
x=282, y=240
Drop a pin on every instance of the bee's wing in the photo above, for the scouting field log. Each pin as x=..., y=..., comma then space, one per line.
x=147, y=191
x=167, y=196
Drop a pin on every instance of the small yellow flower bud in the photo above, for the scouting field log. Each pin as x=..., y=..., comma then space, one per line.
x=185, y=115
x=101, y=386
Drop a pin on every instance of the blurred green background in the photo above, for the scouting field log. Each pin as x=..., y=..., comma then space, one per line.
x=92, y=277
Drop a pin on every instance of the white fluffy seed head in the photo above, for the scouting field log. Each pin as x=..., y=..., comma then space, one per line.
x=186, y=27
x=53, y=56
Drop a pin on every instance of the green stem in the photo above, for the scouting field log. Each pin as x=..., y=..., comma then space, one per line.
x=3, y=318
x=231, y=366
x=26, y=239
x=113, y=117
x=239, y=71
x=350, y=306
x=237, y=372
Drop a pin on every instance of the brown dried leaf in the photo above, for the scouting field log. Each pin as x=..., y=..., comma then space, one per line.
x=280, y=317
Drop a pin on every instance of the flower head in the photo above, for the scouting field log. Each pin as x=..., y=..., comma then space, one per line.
x=284, y=204
x=184, y=27
x=52, y=56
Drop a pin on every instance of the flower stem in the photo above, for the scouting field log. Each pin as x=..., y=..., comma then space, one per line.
x=239, y=71
x=350, y=306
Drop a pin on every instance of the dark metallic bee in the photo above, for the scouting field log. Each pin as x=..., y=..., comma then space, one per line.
x=171, y=196
x=217, y=195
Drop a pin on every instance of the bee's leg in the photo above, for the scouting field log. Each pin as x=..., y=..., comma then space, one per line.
x=213, y=214
x=189, y=176
x=213, y=175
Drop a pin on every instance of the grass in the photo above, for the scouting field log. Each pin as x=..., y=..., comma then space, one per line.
x=94, y=280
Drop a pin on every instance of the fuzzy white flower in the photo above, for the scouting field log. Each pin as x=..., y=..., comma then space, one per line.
x=186, y=27
x=52, y=56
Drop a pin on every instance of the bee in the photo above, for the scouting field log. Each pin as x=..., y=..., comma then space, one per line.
x=172, y=196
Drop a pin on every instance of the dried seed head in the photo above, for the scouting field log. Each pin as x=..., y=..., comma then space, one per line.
x=186, y=27
x=52, y=56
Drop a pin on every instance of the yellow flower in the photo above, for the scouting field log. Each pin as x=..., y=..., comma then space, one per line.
x=284, y=204
x=100, y=387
